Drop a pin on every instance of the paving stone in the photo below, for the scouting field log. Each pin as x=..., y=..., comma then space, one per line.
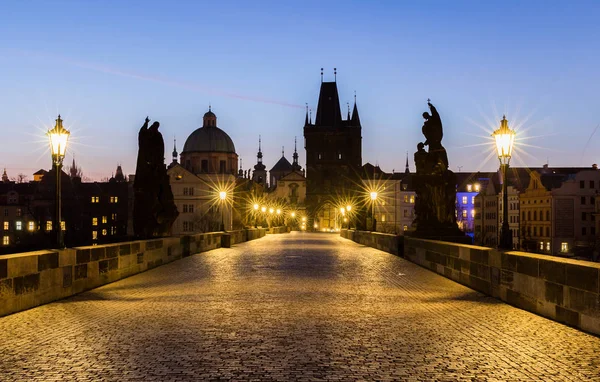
x=300, y=306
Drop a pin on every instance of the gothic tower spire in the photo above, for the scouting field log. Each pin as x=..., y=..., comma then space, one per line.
x=407, y=170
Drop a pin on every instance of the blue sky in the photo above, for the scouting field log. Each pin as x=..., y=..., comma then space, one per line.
x=105, y=65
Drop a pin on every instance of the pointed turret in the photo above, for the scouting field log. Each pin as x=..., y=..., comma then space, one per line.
x=306, y=118
x=260, y=174
x=295, y=165
x=407, y=170
x=119, y=176
x=240, y=171
x=174, y=150
x=73, y=169
x=5, y=177
x=355, y=116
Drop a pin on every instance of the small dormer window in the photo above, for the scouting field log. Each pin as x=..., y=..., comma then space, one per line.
x=469, y=187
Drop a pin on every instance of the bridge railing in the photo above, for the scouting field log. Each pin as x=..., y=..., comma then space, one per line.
x=34, y=278
x=564, y=290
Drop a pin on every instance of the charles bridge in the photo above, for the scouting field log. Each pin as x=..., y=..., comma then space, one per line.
x=297, y=306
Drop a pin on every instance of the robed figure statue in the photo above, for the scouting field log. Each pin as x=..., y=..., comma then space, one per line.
x=435, y=185
x=154, y=209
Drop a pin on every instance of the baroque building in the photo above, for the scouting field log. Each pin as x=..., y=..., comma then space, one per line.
x=209, y=165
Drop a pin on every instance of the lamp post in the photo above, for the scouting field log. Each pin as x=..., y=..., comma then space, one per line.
x=223, y=196
x=255, y=206
x=58, y=146
x=373, y=195
x=505, y=139
x=343, y=218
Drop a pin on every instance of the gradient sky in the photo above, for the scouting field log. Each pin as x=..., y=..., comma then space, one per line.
x=105, y=65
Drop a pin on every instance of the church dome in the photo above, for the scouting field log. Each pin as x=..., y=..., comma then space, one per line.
x=209, y=138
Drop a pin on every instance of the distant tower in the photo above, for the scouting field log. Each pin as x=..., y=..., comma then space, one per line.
x=119, y=177
x=174, y=151
x=240, y=171
x=75, y=172
x=407, y=170
x=5, y=177
x=295, y=165
x=260, y=170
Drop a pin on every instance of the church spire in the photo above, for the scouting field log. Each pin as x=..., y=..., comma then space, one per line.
x=174, y=150
x=295, y=165
x=5, y=177
x=407, y=170
x=355, y=116
x=259, y=155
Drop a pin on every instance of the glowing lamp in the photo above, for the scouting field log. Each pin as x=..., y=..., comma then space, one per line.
x=373, y=195
x=263, y=209
x=348, y=208
x=505, y=139
x=255, y=206
x=293, y=214
x=271, y=210
x=58, y=140
x=222, y=195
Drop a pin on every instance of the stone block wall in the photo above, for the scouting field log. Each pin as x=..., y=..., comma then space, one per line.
x=35, y=278
x=385, y=242
x=277, y=230
x=561, y=289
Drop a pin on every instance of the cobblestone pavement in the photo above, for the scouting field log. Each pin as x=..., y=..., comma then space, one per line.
x=290, y=307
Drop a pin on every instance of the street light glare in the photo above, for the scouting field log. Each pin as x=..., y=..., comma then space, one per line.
x=263, y=209
x=293, y=214
x=348, y=208
x=58, y=138
x=373, y=195
x=256, y=206
x=505, y=139
x=222, y=195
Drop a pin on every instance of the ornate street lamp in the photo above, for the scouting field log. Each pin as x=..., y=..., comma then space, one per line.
x=255, y=206
x=373, y=195
x=223, y=196
x=505, y=139
x=59, y=136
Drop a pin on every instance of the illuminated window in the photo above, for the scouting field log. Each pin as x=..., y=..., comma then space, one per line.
x=382, y=217
x=94, y=221
x=104, y=232
x=464, y=213
x=113, y=230
x=114, y=216
x=405, y=198
x=464, y=200
x=95, y=199
x=383, y=202
x=564, y=247
x=473, y=213
x=5, y=240
x=63, y=226
x=477, y=187
x=19, y=212
x=18, y=225
x=30, y=226
x=541, y=245
x=48, y=225
x=472, y=200
x=6, y=226
x=94, y=235
x=548, y=246
x=114, y=199
x=405, y=227
x=104, y=219
x=412, y=198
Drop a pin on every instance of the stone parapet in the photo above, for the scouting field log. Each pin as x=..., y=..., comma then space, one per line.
x=277, y=230
x=383, y=241
x=35, y=278
x=563, y=290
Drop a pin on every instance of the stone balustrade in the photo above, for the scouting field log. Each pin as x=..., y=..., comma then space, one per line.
x=35, y=278
x=563, y=290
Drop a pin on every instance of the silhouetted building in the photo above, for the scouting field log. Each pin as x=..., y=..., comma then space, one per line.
x=333, y=157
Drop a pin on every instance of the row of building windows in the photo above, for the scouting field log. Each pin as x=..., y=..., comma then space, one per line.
x=112, y=199
x=188, y=191
x=31, y=226
x=18, y=212
x=104, y=219
x=188, y=226
x=408, y=199
x=104, y=232
x=535, y=215
x=582, y=184
x=188, y=208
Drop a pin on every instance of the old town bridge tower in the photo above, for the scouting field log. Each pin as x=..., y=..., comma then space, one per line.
x=333, y=158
